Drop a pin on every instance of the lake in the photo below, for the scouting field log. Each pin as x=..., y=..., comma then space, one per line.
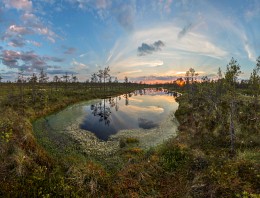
x=146, y=114
x=144, y=109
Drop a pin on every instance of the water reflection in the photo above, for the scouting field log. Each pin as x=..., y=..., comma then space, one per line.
x=141, y=109
x=102, y=111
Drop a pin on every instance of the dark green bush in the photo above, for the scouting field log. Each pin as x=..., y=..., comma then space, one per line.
x=173, y=156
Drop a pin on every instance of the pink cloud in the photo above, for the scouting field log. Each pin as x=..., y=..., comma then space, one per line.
x=18, y=4
x=47, y=32
x=37, y=44
x=28, y=16
x=19, y=30
x=102, y=4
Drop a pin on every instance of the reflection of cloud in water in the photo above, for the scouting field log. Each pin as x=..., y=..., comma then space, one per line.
x=137, y=109
x=146, y=124
x=160, y=98
x=135, y=99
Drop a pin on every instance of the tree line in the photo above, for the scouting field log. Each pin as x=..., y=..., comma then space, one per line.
x=231, y=104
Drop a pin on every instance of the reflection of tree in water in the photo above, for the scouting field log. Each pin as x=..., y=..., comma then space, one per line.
x=174, y=94
x=100, y=109
x=103, y=110
x=113, y=102
x=126, y=99
x=116, y=104
x=142, y=92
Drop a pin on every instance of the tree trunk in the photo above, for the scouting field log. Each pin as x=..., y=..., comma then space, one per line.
x=232, y=129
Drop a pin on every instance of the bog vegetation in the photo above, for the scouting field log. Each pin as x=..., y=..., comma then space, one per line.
x=215, y=154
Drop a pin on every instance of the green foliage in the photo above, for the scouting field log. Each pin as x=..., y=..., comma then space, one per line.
x=254, y=81
x=123, y=142
x=6, y=130
x=42, y=184
x=232, y=73
x=246, y=194
x=205, y=120
x=173, y=156
x=131, y=140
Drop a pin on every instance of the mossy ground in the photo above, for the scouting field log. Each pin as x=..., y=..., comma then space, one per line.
x=197, y=163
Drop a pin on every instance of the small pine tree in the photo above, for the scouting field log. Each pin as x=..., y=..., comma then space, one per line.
x=231, y=77
x=43, y=78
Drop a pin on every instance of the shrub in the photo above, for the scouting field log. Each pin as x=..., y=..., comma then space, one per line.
x=131, y=140
x=6, y=130
x=173, y=156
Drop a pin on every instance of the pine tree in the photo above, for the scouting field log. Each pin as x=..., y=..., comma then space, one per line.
x=43, y=78
x=231, y=77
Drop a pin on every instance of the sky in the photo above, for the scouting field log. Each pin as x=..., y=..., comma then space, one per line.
x=145, y=40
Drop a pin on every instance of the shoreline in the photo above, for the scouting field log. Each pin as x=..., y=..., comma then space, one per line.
x=91, y=145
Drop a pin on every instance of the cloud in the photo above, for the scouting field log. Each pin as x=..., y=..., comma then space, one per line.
x=146, y=124
x=8, y=75
x=14, y=34
x=122, y=11
x=25, y=5
x=125, y=15
x=83, y=55
x=60, y=71
x=132, y=72
x=145, y=48
x=26, y=60
x=133, y=62
x=17, y=42
x=249, y=51
x=173, y=75
x=31, y=20
x=231, y=32
x=50, y=35
x=78, y=66
x=69, y=50
x=167, y=5
x=193, y=50
x=253, y=11
x=163, y=5
x=185, y=30
x=32, y=61
x=19, y=30
x=10, y=58
x=27, y=16
x=53, y=59
x=153, y=78
x=37, y=44
x=198, y=44
x=103, y=4
x=31, y=25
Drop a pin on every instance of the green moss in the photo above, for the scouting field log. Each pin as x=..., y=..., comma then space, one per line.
x=173, y=156
x=194, y=164
x=131, y=140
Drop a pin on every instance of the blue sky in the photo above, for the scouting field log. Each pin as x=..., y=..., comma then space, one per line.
x=143, y=39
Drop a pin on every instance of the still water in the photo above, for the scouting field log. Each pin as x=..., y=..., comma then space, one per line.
x=146, y=114
x=144, y=109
